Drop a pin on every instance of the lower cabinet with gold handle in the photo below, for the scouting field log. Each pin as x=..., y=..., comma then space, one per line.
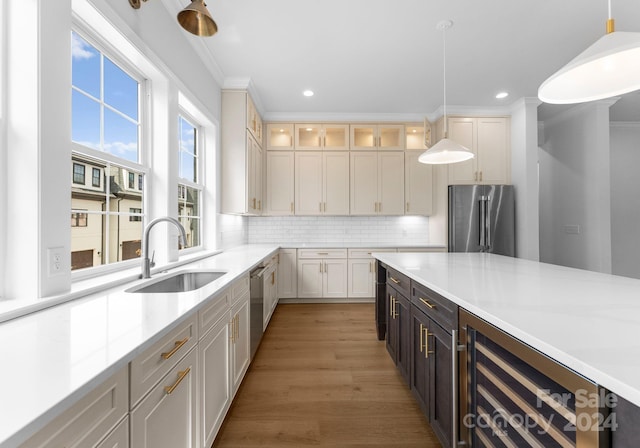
x=398, y=330
x=167, y=415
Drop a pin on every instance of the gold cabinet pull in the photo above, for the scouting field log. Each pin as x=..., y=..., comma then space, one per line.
x=397, y=282
x=260, y=204
x=175, y=348
x=232, y=333
x=426, y=343
x=273, y=278
x=292, y=207
x=390, y=305
x=181, y=375
x=254, y=203
x=430, y=305
x=480, y=176
x=421, y=337
x=407, y=207
x=237, y=327
x=323, y=253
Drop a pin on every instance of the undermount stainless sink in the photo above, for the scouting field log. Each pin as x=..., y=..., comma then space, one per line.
x=179, y=282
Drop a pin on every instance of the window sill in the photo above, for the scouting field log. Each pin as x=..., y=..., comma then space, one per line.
x=13, y=308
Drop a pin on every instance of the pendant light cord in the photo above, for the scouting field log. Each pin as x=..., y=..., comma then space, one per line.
x=444, y=77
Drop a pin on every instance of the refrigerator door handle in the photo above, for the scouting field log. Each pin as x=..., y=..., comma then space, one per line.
x=487, y=224
x=482, y=220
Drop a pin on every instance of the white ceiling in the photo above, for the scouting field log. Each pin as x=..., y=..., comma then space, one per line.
x=384, y=57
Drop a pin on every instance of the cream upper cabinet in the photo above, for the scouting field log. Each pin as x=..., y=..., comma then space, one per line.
x=418, y=185
x=385, y=137
x=241, y=155
x=322, y=183
x=377, y=183
x=328, y=137
x=417, y=137
x=489, y=139
x=254, y=121
x=279, y=195
x=279, y=136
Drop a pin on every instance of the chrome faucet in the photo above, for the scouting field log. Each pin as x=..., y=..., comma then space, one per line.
x=146, y=263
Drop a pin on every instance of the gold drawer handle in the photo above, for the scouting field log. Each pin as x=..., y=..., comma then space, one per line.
x=427, y=303
x=181, y=375
x=323, y=253
x=177, y=346
x=397, y=282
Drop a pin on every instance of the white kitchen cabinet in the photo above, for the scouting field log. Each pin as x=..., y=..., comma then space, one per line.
x=488, y=138
x=167, y=415
x=362, y=272
x=279, y=137
x=386, y=137
x=240, y=341
x=254, y=121
x=91, y=420
x=118, y=438
x=152, y=365
x=328, y=137
x=417, y=137
x=279, y=194
x=215, y=383
x=322, y=183
x=418, y=185
x=377, y=183
x=322, y=273
x=241, y=154
x=287, y=274
x=270, y=293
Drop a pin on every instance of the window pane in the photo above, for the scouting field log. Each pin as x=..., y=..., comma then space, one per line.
x=124, y=237
x=120, y=90
x=120, y=136
x=96, y=177
x=85, y=66
x=189, y=214
x=188, y=151
x=192, y=228
x=187, y=167
x=85, y=120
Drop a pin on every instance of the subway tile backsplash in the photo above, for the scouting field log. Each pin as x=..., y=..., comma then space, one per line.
x=409, y=230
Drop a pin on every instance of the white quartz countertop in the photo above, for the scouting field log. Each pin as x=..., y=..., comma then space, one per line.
x=347, y=245
x=588, y=321
x=53, y=357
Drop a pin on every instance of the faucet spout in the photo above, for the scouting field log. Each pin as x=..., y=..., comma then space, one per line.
x=146, y=263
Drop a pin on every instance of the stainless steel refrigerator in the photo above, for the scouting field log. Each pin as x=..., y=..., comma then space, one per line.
x=482, y=219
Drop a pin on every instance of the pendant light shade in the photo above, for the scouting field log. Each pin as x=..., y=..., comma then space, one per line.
x=609, y=67
x=445, y=151
x=196, y=19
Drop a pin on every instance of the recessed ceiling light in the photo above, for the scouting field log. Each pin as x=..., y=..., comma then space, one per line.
x=308, y=93
x=502, y=95
x=309, y=129
x=281, y=130
x=414, y=131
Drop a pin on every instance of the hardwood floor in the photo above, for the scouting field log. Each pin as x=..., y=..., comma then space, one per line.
x=321, y=378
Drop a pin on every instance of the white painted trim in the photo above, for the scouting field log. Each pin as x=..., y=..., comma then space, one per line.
x=624, y=124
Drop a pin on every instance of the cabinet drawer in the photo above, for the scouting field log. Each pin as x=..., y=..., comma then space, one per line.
x=366, y=253
x=441, y=310
x=399, y=281
x=90, y=419
x=239, y=288
x=322, y=253
x=217, y=307
x=150, y=366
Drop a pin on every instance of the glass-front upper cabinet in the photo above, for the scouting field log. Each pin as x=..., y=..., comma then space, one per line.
x=279, y=136
x=332, y=137
x=416, y=137
x=377, y=137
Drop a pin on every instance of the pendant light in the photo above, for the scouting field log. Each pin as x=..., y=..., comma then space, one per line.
x=609, y=67
x=445, y=151
x=194, y=18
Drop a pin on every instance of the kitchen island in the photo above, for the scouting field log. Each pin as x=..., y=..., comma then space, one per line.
x=585, y=321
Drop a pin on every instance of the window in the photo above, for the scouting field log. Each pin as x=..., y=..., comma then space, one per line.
x=140, y=183
x=78, y=174
x=135, y=214
x=104, y=103
x=79, y=219
x=105, y=120
x=189, y=188
x=95, y=177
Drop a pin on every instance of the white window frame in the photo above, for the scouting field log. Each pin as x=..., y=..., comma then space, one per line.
x=142, y=166
x=199, y=184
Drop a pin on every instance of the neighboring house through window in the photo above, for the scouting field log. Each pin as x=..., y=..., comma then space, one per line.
x=190, y=187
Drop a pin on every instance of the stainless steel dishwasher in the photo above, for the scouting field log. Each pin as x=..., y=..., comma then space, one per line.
x=256, y=289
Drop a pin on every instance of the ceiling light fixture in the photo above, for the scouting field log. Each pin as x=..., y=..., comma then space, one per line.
x=502, y=95
x=308, y=93
x=194, y=18
x=445, y=151
x=609, y=67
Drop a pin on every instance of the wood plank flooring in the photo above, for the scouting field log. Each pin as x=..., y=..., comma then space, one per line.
x=321, y=378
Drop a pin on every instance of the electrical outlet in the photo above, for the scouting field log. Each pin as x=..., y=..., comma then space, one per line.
x=54, y=256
